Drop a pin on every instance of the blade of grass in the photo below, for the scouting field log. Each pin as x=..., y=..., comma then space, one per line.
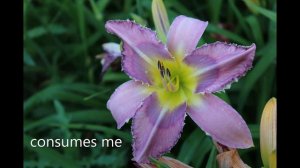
x=215, y=9
x=91, y=116
x=50, y=154
x=189, y=147
x=266, y=89
x=256, y=30
x=254, y=128
x=138, y=19
x=179, y=8
x=211, y=163
x=158, y=164
x=115, y=77
x=41, y=30
x=40, y=51
x=40, y=123
x=212, y=28
x=204, y=147
x=81, y=24
x=83, y=116
x=96, y=11
x=121, y=134
x=98, y=94
x=27, y=59
x=265, y=12
x=62, y=118
x=66, y=92
x=127, y=6
x=240, y=17
x=101, y=5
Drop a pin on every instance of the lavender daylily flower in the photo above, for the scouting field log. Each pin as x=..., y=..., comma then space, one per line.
x=112, y=52
x=171, y=80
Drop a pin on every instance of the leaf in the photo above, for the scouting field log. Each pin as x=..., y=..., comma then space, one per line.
x=66, y=92
x=254, y=129
x=179, y=8
x=211, y=163
x=62, y=118
x=59, y=109
x=50, y=154
x=212, y=28
x=40, y=123
x=115, y=77
x=108, y=160
x=42, y=96
x=77, y=49
x=204, y=147
x=91, y=116
x=97, y=13
x=94, y=95
x=28, y=59
x=215, y=9
x=138, y=19
x=125, y=136
x=173, y=163
x=41, y=30
x=256, y=30
x=163, y=162
x=36, y=32
x=240, y=17
x=82, y=24
x=158, y=163
x=189, y=147
x=267, y=86
x=267, y=13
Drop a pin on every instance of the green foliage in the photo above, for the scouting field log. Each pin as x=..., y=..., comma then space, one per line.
x=64, y=95
x=158, y=164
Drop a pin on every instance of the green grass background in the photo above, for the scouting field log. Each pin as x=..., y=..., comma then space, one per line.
x=64, y=96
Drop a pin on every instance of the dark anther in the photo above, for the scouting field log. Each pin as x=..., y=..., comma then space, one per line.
x=162, y=73
x=168, y=72
x=161, y=68
x=158, y=65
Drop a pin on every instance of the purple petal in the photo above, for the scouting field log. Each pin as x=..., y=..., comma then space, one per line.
x=141, y=48
x=184, y=34
x=221, y=122
x=113, y=52
x=106, y=61
x=155, y=129
x=112, y=49
x=126, y=99
x=219, y=64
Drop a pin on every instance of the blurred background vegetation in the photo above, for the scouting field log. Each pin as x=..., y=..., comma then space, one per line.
x=65, y=97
